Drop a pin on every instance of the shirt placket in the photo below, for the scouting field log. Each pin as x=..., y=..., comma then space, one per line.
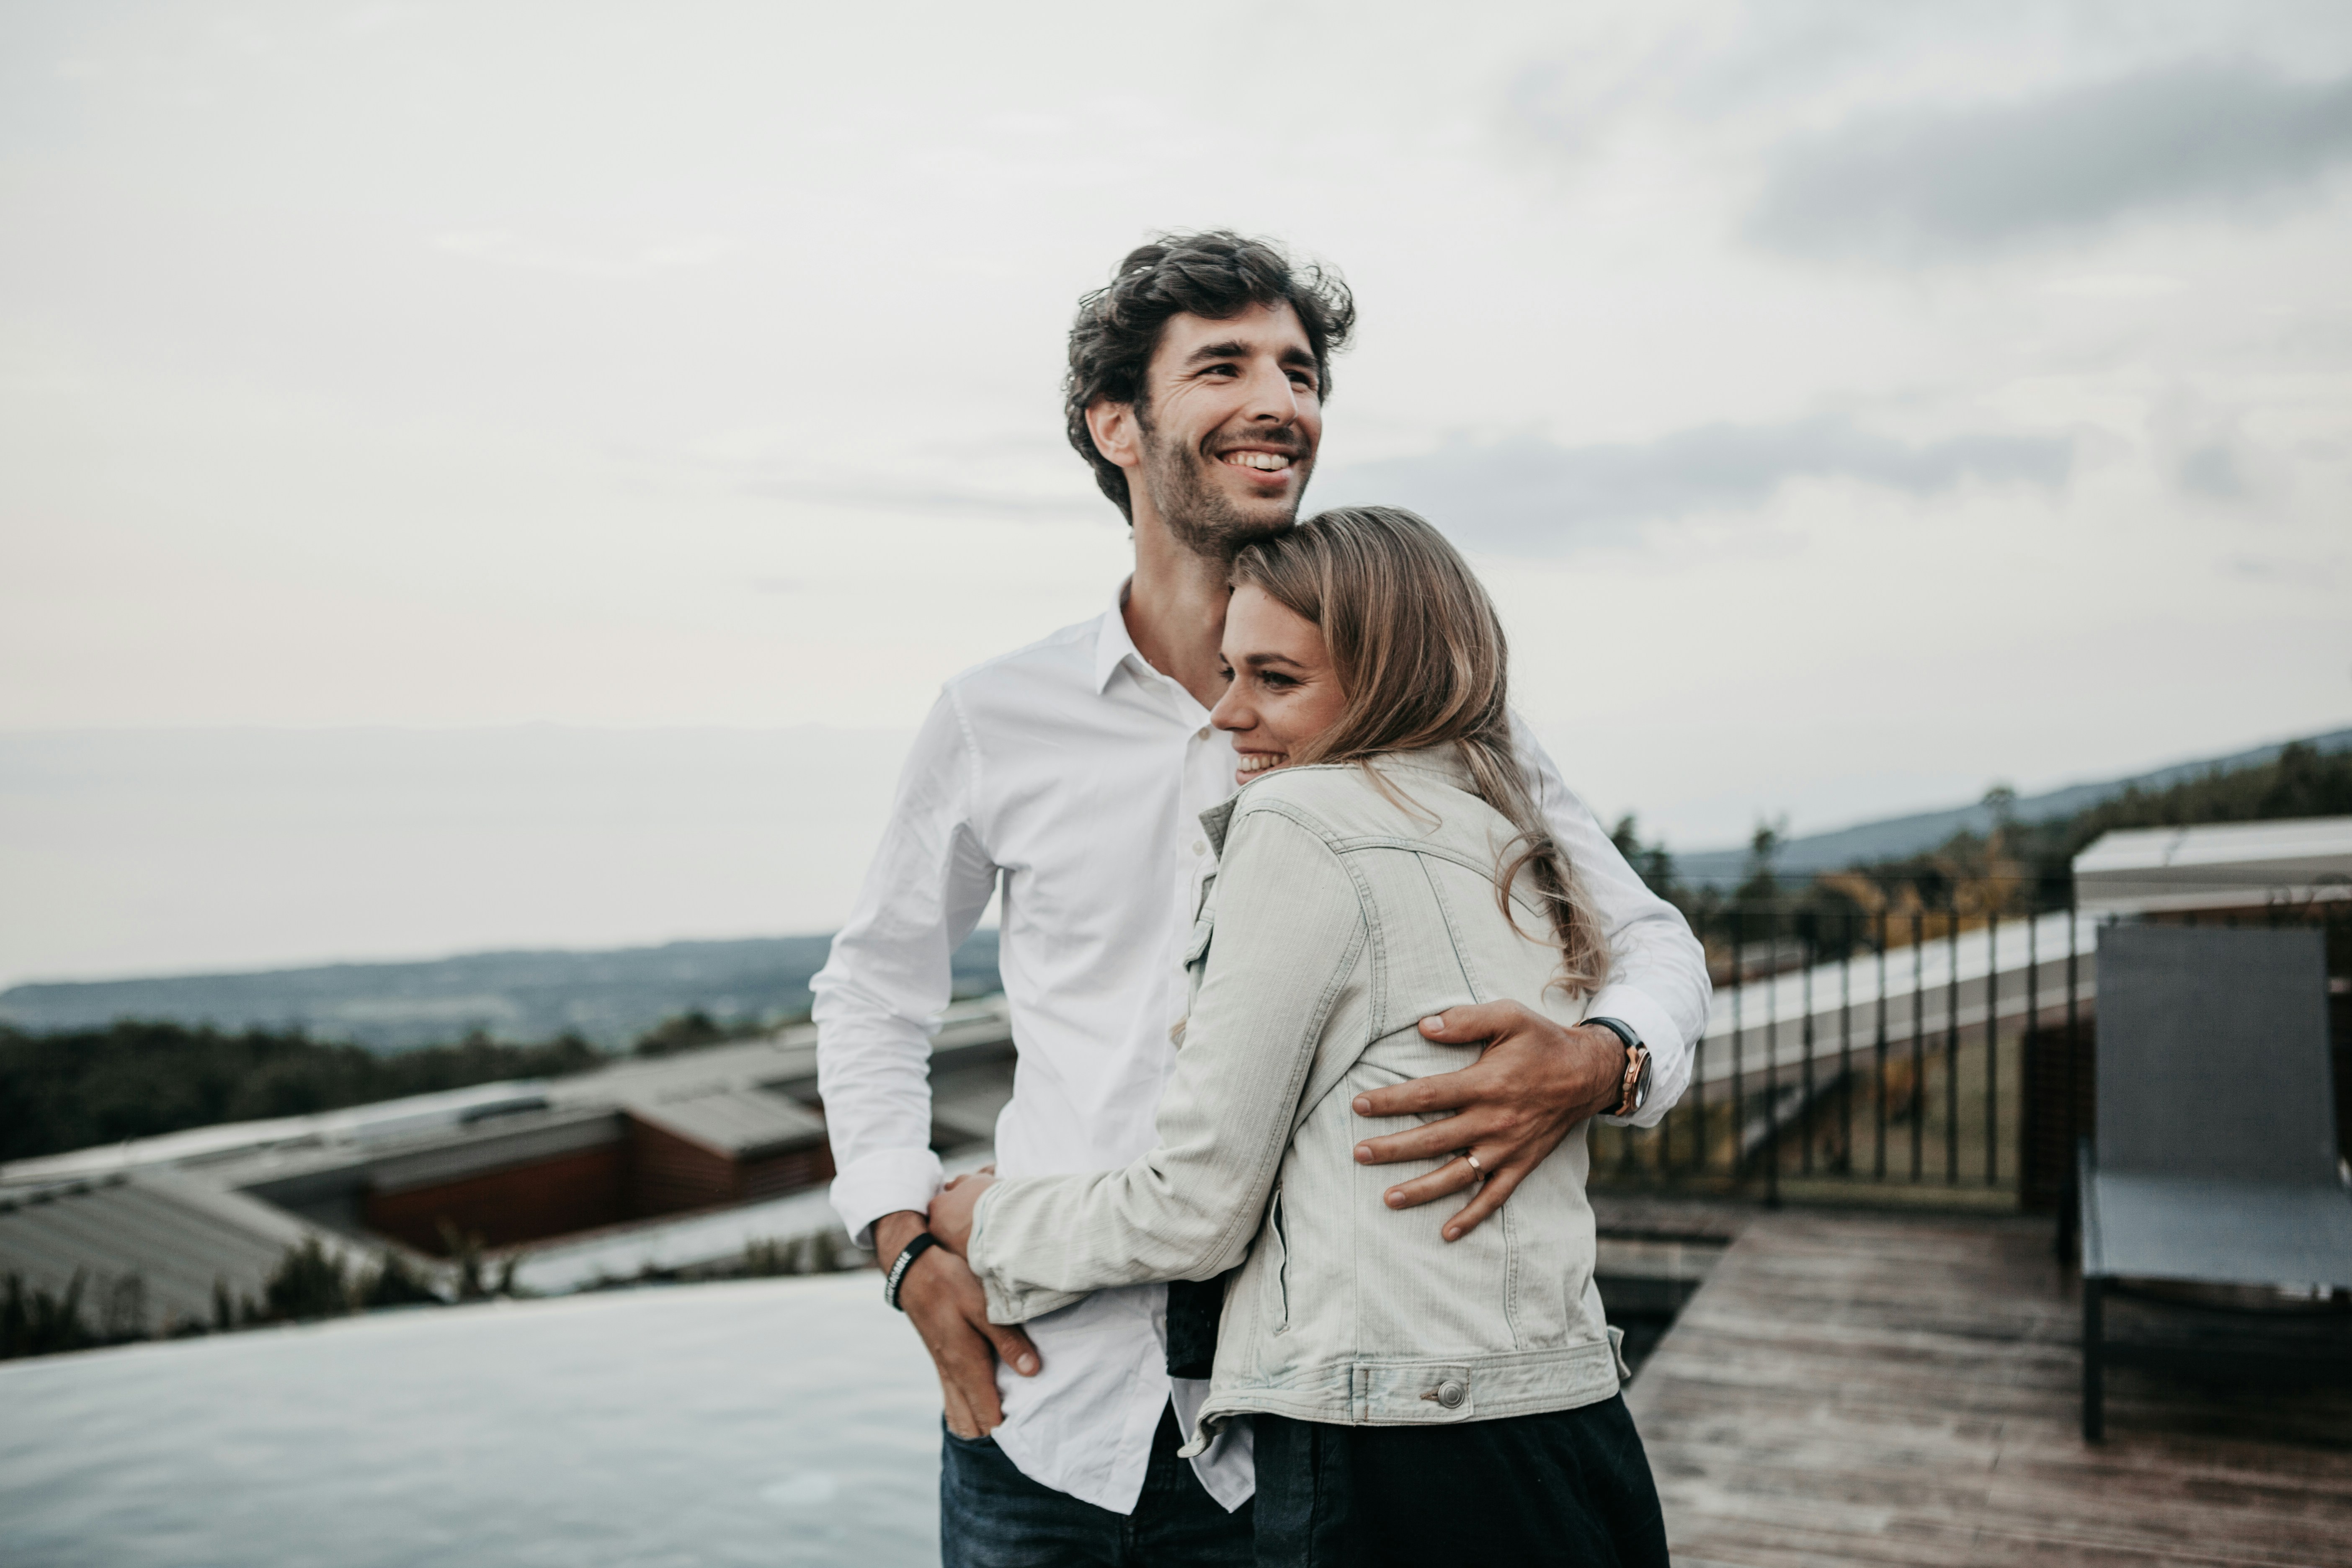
x=1205, y=784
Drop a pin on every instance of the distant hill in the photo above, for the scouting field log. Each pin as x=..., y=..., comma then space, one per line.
x=608, y=998
x=1900, y=836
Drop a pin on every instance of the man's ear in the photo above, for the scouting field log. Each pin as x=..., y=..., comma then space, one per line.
x=1118, y=433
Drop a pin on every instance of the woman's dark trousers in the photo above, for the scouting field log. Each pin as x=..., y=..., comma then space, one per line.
x=1565, y=1487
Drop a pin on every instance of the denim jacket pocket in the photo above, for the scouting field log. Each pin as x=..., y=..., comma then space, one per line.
x=1280, y=1263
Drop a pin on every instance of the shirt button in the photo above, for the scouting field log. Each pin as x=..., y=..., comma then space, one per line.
x=1202, y=733
x=1200, y=847
x=1451, y=1395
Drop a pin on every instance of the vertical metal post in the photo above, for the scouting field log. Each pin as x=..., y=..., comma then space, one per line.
x=1918, y=1038
x=2027, y=1050
x=1811, y=953
x=1952, y=1046
x=1739, y=1035
x=1992, y=1048
x=1698, y=1073
x=1845, y=1036
x=2072, y=1093
x=1772, y=1063
x=1878, y=1044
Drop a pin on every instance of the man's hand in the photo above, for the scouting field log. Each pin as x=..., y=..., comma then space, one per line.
x=948, y=1308
x=1513, y=1105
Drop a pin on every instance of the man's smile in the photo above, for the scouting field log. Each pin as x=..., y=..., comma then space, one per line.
x=1271, y=462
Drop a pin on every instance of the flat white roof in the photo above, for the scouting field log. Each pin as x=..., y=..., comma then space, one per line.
x=2217, y=866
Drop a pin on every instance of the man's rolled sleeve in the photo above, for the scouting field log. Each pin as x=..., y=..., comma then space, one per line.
x=1657, y=978
x=882, y=989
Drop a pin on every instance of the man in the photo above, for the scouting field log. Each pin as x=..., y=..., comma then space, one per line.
x=1071, y=774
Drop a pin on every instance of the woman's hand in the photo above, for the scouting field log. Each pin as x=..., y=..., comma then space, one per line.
x=950, y=1218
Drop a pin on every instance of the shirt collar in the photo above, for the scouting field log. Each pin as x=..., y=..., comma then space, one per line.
x=1113, y=647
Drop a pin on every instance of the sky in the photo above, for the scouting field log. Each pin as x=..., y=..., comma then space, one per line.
x=1850, y=405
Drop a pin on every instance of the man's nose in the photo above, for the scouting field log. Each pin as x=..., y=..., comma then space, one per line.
x=1272, y=398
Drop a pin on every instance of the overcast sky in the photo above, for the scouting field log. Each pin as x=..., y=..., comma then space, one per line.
x=1851, y=405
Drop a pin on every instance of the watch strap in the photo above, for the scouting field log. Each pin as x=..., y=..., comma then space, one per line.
x=1636, y=1086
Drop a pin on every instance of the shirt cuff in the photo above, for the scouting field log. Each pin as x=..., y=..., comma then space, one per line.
x=884, y=1182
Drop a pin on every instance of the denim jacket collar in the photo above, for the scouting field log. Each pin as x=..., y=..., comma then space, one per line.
x=1443, y=763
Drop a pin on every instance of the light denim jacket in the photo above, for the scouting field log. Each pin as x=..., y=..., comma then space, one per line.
x=1341, y=915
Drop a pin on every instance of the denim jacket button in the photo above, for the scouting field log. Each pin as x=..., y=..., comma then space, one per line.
x=1451, y=1395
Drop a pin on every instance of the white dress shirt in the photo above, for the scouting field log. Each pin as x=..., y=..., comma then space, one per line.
x=1077, y=773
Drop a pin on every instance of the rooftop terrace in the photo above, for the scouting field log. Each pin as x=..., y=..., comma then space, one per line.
x=1884, y=1389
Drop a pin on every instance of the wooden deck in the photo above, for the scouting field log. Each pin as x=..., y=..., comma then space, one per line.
x=1902, y=1389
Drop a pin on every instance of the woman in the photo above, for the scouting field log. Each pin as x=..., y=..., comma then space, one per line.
x=1417, y=1395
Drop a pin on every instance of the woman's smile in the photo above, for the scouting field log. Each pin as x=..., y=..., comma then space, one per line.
x=1285, y=694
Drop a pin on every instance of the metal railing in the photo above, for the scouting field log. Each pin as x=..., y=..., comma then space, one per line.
x=1918, y=1050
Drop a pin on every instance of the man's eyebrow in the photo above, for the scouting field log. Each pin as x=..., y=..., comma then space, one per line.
x=1294, y=355
x=1232, y=348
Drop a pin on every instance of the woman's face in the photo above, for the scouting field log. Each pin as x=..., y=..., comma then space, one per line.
x=1284, y=691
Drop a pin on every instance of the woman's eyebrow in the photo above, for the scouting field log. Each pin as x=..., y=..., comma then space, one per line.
x=1259, y=660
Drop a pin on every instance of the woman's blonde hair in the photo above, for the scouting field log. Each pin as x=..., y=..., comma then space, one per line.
x=1419, y=652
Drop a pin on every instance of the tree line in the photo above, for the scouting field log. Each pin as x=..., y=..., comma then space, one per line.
x=2014, y=867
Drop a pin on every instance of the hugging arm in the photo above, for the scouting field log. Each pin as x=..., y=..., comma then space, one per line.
x=1536, y=1080
x=1288, y=934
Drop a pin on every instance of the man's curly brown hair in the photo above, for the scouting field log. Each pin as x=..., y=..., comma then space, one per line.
x=1216, y=275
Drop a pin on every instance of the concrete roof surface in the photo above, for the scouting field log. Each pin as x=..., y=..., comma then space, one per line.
x=774, y=1421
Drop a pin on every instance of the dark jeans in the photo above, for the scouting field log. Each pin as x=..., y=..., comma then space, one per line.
x=1565, y=1487
x=992, y=1516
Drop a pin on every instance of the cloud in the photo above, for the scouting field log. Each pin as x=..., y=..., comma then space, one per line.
x=1530, y=495
x=2212, y=471
x=2208, y=455
x=1976, y=178
x=1030, y=506
x=506, y=250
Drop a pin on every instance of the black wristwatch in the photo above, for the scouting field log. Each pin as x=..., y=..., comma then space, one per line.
x=1635, y=1088
x=923, y=1242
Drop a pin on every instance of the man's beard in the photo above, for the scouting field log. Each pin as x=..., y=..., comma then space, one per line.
x=1204, y=518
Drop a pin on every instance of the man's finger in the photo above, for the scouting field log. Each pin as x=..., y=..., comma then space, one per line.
x=1489, y=1199
x=1451, y=1178
x=1012, y=1347
x=1432, y=1141
x=954, y=1408
x=972, y=1371
x=1417, y=1096
x=1473, y=1024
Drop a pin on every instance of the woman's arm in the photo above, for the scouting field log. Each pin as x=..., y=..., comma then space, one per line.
x=1289, y=936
